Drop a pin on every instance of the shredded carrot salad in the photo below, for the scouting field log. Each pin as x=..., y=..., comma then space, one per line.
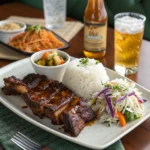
x=32, y=41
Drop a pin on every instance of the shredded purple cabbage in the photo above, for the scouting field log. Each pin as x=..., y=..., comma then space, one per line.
x=109, y=103
x=124, y=97
x=130, y=94
x=101, y=92
x=121, y=99
x=104, y=90
x=140, y=100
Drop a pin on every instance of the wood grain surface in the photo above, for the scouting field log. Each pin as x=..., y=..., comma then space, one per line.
x=139, y=138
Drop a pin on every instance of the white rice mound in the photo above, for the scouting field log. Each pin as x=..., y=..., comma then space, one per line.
x=85, y=80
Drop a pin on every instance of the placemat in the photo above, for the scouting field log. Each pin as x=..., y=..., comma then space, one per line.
x=70, y=29
x=10, y=124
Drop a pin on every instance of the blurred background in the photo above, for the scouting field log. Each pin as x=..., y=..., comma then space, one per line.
x=76, y=8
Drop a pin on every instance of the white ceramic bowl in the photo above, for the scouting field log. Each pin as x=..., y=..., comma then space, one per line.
x=6, y=36
x=52, y=72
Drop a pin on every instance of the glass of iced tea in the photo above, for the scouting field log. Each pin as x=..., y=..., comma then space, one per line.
x=129, y=29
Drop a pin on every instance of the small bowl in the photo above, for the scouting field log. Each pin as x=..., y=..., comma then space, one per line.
x=7, y=35
x=52, y=72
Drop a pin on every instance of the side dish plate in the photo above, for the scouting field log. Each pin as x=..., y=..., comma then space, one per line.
x=66, y=44
x=97, y=136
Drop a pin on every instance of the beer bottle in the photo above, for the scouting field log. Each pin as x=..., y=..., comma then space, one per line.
x=95, y=30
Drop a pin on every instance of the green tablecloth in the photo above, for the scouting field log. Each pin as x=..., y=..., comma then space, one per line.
x=10, y=124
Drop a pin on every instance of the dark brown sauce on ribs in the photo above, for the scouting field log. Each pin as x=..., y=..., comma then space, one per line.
x=24, y=107
x=49, y=98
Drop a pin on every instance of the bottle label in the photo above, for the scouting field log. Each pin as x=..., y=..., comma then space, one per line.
x=95, y=36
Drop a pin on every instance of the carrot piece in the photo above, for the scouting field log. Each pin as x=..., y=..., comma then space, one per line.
x=45, y=55
x=121, y=118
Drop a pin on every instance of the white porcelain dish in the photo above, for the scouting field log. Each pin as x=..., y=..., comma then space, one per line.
x=7, y=35
x=52, y=72
x=97, y=136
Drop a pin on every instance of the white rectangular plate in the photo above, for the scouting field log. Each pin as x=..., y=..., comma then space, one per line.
x=97, y=136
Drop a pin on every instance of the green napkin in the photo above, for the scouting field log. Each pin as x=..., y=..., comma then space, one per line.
x=10, y=124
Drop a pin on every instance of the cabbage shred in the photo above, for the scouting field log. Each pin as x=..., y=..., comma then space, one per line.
x=124, y=97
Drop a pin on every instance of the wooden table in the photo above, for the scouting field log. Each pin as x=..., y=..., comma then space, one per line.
x=139, y=138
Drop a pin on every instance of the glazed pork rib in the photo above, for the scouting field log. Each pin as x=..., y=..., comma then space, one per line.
x=50, y=98
x=58, y=103
x=15, y=86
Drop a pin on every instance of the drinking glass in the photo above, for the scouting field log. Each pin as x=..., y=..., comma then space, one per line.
x=55, y=13
x=129, y=29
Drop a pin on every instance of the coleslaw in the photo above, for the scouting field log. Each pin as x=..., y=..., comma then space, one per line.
x=120, y=100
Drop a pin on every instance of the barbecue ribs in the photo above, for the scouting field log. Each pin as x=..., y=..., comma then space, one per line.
x=50, y=98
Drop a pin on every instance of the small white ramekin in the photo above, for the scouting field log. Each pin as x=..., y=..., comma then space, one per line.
x=7, y=35
x=52, y=72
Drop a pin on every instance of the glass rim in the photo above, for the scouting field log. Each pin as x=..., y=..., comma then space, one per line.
x=142, y=17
